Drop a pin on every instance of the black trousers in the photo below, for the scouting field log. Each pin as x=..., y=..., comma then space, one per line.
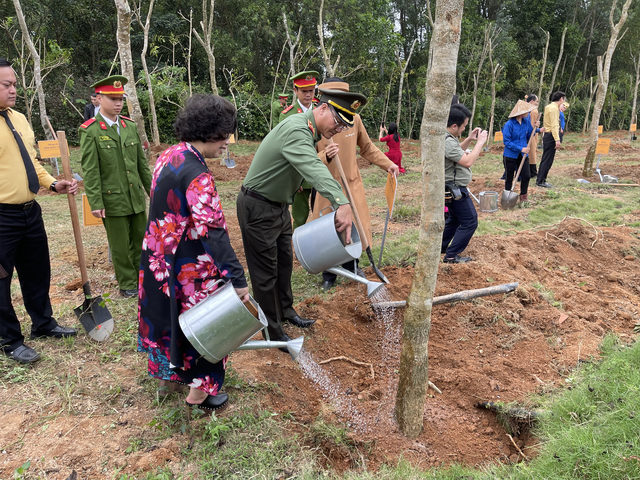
x=266, y=235
x=512, y=165
x=23, y=245
x=331, y=277
x=548, y=154
x=460, y=226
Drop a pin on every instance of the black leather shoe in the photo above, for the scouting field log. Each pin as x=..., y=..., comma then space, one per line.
x=544, y=185
x=23, y=354
x=327, y=285
x=129, y=293
x=300, y=322
x=58, y=332
x=212, y=402
x=284, y=338
x=457, y=259
x=360, y=272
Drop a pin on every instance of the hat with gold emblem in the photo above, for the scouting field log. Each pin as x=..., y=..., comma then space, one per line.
x=305, y=79
x=346, y=104
x=283, y=95
x=113, y=85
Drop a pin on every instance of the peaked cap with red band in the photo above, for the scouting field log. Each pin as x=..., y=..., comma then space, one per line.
x=305, y=79
x=113, y=85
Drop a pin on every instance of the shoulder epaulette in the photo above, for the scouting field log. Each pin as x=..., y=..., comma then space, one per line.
x=287, y=109
x=126, y=118
x=88, y=122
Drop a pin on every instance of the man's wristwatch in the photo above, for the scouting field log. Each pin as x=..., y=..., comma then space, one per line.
x=52, y=187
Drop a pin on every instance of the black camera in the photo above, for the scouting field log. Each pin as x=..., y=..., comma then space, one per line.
x=453, y=191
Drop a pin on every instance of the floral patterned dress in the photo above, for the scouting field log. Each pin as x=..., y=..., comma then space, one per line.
x=186, y=249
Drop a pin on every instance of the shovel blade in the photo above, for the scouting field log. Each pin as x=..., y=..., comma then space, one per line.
x=230, y=162
x=508, y=200
x=95, y=318
x=380, y=275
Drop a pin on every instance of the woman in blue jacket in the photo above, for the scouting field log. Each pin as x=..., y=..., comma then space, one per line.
x=516, y=134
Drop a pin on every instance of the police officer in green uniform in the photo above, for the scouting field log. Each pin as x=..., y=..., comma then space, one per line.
x=304, y=87
x=116, y=176
x=285, y=157
x=277, y=107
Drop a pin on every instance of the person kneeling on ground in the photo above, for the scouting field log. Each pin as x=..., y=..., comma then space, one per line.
x=463, y=219
x=516, y=133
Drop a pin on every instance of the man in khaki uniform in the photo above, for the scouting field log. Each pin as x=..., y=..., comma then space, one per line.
x=347, y=141
x=116, y=176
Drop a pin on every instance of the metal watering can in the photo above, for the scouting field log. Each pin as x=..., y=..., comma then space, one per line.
x=318, y=246
x=221, y=324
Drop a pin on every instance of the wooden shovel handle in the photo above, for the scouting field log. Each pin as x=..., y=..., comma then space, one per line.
x=361, y=232
x=66, y=167
x=520, y=168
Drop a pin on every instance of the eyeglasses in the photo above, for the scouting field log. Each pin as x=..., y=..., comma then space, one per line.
x=339, y=125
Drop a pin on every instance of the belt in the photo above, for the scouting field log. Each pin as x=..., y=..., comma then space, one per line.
x=253, y=194
x=17, y=206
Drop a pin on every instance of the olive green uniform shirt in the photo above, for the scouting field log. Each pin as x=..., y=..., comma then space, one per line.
x=276, y=110
x=287, y=156
x=116, y=172
x=452, y=155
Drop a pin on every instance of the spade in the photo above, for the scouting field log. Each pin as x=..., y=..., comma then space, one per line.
x=93, y=314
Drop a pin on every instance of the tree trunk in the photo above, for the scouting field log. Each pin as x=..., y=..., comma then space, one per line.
x=495, y=73
x=592, y=91
x=544, y=64
x=37, y=69
x=124, y=47
x=143, y=56
x=292, y=48
x=604, y=64
x=331, y=69
x=636, y=64
x=207, y=27
x=555, y=70
x=476, y=77
x=189, y=51
x=586, y=57
x=403, y=70
x=414, y=380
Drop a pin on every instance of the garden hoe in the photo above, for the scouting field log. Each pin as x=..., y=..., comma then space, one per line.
x=510, y=198
x=363, y=237
x=93, y=314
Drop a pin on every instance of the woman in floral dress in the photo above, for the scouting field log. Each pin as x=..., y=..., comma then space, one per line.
x=186, y=249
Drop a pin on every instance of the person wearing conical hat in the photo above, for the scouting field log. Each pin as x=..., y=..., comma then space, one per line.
x=304, y=88
x=516, y=133
x=347, y=142
x=277, y=107
x=286, y=156
x=116, y=177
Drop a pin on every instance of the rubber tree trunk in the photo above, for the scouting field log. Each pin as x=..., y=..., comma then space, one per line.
x=403, y=71
x=495, y=73
x=37, y=69
x=555, y=70
x=604, y=65
x=544, y=65
x=124, y=48
x=440, y=86
x=143, y=56
x=206, y=41
x=476, y=77
x=636, y=64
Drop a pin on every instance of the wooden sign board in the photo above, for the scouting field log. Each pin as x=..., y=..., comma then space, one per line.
x=390, y=192
x=633, y=127
x=232, y=139
x=88, y=220
x=599, y=128
x=49, y=149
x=498, y=137
x=603, y=146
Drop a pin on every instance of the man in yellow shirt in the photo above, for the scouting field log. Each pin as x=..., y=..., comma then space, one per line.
x=551, y=139
x=23, y=240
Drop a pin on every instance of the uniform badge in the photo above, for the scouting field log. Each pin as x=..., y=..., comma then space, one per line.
x=104, y=138
x=355, y=105
x=308, y=77
x=124, y=125
x=299, y=110
x=103, y=125
x=117, y=84
x=310, y=125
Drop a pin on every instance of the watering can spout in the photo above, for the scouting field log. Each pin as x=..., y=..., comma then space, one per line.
x=372, y=287
x=294, y=347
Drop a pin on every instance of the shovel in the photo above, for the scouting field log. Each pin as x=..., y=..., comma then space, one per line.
x=509, y=198
x=229, y=162
x=363, y=237
x=93, y=314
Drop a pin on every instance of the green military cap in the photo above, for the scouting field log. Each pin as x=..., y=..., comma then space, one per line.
x=305, y=79
x=345, y=104
x=113, y=85
x=283, y=95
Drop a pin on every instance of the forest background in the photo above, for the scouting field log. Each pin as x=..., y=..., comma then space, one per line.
x=505, y=53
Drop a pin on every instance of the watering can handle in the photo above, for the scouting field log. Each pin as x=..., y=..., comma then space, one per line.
x=330, y=206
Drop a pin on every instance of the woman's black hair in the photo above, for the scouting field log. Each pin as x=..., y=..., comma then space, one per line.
x=393, y=130
x=530, y=98
x=555, y=96
x=205, y=118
